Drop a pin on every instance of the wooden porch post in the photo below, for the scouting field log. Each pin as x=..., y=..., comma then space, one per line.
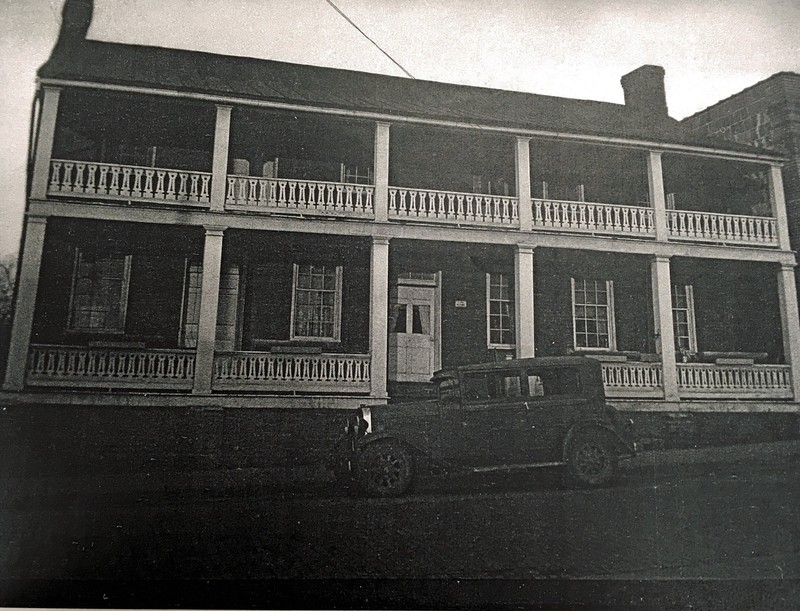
x=655, y=185
x=209, y=302
x=522, y=158
x=219, y=165
x=27, y=288
x=662, y=311
x=379, y=311
x=381, y=163
x=523, y=301
x=777, y=201
x=44, y=142
x=790, y=324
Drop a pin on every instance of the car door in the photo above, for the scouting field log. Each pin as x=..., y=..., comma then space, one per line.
x=556, y=400
x=493, y=418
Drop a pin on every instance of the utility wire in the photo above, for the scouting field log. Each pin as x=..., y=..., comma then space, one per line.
x=377, y=46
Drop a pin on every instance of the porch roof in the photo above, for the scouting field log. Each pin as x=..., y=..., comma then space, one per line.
x=92, y=61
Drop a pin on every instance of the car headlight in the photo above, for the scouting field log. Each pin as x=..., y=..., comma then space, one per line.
x=366, y=415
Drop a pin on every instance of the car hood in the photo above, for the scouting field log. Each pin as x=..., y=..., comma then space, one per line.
x=405, y=411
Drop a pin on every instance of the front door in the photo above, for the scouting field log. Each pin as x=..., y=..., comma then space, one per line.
x=411, y=333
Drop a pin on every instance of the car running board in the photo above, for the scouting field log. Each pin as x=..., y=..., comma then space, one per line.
x=520, y=467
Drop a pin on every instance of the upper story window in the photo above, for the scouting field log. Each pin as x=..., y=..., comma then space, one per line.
x=317, y=302
x=499, y=311
x=99, y=298
x=359, y=175
x=593, y=314
x=683, y=318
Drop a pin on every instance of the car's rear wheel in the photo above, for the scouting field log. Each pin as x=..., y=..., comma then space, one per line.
x=385, y=468
x=592, y=460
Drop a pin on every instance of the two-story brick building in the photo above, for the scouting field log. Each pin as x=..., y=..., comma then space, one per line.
x=213, y=230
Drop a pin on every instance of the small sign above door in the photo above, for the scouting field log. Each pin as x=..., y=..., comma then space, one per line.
x=461, y=304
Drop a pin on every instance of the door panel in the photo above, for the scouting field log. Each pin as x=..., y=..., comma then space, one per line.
x=411, y=334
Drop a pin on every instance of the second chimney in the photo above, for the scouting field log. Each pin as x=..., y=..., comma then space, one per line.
x=644, y=91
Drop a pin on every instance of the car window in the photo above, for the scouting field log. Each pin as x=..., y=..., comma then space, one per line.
x=553, y=382
x=491, y=386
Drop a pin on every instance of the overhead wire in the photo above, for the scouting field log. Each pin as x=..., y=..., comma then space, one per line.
x=364, y=34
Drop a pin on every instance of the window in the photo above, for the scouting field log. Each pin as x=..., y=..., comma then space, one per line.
x=317, y=302
x=354, y=174
x=683, y=318
x=593, y=314
x=499, y=311
x=99, y=297
x=491, y=385
x=553, y=382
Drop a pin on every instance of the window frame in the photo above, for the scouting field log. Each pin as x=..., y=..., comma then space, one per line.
x=610, y=317
x=511, y=301
x=688, y=291
x=123, y=298
x=337, y=306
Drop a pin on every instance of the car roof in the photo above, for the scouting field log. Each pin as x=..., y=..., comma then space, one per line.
x=547, y=361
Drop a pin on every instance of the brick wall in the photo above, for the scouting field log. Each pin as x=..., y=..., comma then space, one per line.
x=766, y=115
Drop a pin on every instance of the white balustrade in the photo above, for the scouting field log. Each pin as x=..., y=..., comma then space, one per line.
x=452, y=207
x=740, y=381
x=303, y=196
x=109, y=367
x=714, y=227
x=632, y=379
x=269, y=371
x=115, y=181
x=592, y=217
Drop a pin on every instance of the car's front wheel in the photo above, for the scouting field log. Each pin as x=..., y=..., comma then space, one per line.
x=592, y=460
x=385, y=468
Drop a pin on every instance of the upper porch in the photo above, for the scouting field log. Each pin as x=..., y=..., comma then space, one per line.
x=257, y=161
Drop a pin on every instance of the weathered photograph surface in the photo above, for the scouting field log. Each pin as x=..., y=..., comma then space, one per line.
x=360, y=304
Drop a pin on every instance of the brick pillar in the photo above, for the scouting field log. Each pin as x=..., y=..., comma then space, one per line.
x=777, y=201
x=378, y=315
x=655, y=185
x=790, y=324
x=662, y=312
x=219, y=165
x=523, y=301
x=209, y=302
x=27, y=287
x=381, y=163
x=522, y=159
x=44, y=142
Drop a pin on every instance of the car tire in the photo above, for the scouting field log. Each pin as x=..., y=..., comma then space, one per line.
x=592, y=460
x=385, y=468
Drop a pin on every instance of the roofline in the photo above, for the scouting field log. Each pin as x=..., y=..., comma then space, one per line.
x=738, y=93
x=716, y=152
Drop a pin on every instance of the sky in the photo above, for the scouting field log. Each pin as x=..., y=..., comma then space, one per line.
x=710, y=49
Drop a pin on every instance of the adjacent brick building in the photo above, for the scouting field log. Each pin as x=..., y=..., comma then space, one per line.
x=765, y=115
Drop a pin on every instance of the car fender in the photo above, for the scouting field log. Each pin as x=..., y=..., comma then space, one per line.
x=596, y=425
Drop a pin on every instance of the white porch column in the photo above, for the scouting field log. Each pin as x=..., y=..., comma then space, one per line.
x=381, y=163
x=219, y=165
x=209, y=302
x=523, y=301
x=777, y=200
x=790, y=324
x=44, y=142
x=662, y=312
x=522, y=159
x=655, y=185
x=378, y=315
x=26, y=302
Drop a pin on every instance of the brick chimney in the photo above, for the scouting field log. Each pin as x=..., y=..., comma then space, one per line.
x=644, y=91
x=76, y=17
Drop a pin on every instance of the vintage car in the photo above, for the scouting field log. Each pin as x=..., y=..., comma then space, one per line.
x=507, y=415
